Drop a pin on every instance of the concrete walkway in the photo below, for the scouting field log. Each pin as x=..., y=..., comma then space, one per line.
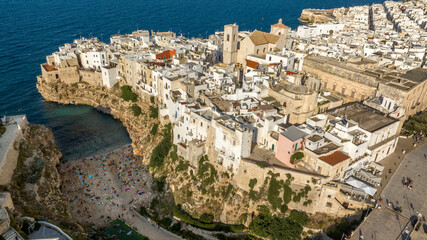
x=387, y=224
x=9, y=155
x=147, y=228
x=391, y=162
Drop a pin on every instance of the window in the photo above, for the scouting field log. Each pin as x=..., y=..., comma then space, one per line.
x=367, y=81
x=357, y=77
x=228, y=37
x=334, y=87
x=201, y=124
x=343, y=91
x=326, y=85
x=234, y=142
x=225, y=137
x=353, y=93
x=329, y=69
x=328, y=204
x=194, y=120
x=263, y=50
x=338, y=71
x=257, y=51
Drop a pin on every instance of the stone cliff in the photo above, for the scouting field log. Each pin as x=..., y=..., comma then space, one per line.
x=107, y=101
x=202, y=190
x=36, y=184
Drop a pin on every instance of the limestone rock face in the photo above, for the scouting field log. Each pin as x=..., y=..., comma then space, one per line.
x=107, y=101
x=198, y=191
x=36, y=183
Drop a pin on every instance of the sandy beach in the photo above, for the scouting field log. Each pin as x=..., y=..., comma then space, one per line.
x=102, y=187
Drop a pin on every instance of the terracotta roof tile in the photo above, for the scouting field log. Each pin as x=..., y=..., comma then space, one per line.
x=280, y=25
x=334, y=158
x=252, y=64
x=260, y=38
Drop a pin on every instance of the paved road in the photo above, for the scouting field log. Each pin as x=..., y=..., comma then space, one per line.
x=384, y=223
x=148, y=229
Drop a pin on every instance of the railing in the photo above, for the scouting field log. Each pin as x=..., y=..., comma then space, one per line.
x=56, y=228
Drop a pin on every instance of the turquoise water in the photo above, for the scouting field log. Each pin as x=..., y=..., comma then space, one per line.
x=30, y=30
x=82, y=131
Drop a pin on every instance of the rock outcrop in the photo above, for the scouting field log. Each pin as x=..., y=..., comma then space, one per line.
x=36, y=184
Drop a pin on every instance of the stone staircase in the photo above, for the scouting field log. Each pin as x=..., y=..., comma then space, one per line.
x=12, y=235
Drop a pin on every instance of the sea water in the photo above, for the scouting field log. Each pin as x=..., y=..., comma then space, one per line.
x=30, y=30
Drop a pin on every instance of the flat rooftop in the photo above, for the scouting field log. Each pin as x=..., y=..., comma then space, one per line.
x=368, y=118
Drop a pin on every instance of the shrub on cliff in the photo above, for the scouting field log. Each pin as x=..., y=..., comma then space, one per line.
x=252, y=183
x=206, y=218
x=296, y=157
x=154, y=112
x=270, y=226
x=162, y=149
x=154, y=129
x=127, y=94
x=136, y=110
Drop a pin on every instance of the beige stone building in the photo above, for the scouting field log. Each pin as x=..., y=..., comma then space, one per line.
x=298, y=101
x=231, y=32
x=359, y=80
x=407, y=90
x=258, y=43
x=67, y=71
x=353, y=84
x=279, y=29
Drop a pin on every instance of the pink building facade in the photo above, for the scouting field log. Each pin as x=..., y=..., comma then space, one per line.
x=290, y=142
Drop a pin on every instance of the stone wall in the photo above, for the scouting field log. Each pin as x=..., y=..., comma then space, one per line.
x=250, y=169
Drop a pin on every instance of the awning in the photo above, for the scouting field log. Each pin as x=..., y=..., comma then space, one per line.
x=361, y=185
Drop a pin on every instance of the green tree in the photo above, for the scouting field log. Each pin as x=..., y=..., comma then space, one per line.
x=154, y=129
x=206, y=218
x=274, y=227
x=154, y=112
x=136, y=110
x=252, y=183
x=296, y=157
x=162, y=149
x=299, y=217
x=128, y=94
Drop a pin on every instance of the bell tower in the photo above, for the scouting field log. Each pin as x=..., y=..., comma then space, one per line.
x=230, y=43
